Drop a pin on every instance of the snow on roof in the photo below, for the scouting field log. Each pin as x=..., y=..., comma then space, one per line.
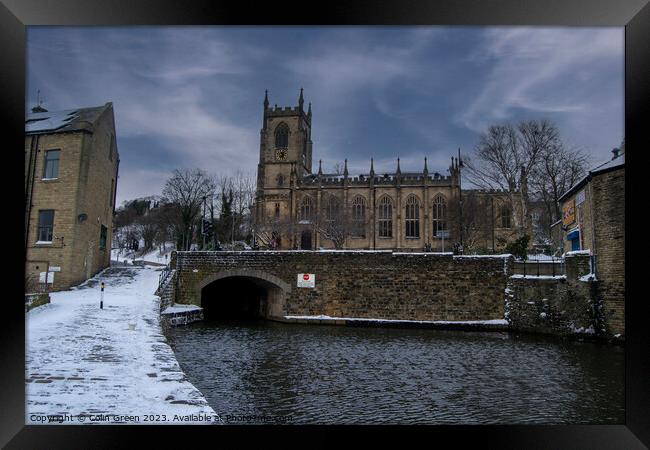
x=48, y=121
x=65, y=120
x=612, y=164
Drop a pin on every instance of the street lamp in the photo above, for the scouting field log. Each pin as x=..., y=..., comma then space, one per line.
x=460, y=199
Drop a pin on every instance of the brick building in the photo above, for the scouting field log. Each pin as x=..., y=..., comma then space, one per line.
x=71, y=167
x=593, y=219
x=297, y=208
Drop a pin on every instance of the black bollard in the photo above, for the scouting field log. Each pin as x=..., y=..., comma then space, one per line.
x=101, y=300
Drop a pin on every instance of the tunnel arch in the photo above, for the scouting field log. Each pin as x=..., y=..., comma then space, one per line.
x=243, y=294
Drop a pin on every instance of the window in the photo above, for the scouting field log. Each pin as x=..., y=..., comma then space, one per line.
x=277, y=210
x=359, y=216
x=385, y=217
x=51, y=169
x=306, y=208
x=45, y=225
x=412, y=217
x=333, y=209
x=102, y=237
x=439, y=216
x=280, y=180
x=282, y=136
x=505, y=216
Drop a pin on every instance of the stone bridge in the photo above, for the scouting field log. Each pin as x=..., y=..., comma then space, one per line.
x=353, y=284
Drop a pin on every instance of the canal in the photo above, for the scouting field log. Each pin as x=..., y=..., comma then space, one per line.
x=266, y=372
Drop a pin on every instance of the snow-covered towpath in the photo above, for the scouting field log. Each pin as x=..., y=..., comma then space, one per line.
x=93, y=365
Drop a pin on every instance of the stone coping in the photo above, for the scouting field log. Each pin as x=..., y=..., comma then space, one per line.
x=470, y=325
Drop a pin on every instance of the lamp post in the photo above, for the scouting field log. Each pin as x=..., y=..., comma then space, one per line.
x=460, y=199
x=203, y=223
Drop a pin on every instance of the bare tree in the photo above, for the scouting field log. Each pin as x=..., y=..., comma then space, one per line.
x=186, y=189
x=507, y=157
x=269, y=231
x=333, y=221
x=558, y=170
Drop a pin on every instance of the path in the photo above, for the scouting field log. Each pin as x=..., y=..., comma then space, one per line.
x=83, y=360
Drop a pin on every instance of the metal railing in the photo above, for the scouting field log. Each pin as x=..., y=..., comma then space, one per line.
x=540, y=267
x=163, y=277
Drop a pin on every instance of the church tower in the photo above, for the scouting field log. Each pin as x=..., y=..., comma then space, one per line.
x=285, y=157
x=285, y=144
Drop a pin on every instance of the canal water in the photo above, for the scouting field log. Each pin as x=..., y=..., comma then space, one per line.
x=267, y=372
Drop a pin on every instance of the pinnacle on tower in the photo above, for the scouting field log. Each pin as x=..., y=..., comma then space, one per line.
x=320, y=167
x=345, y=169
x=399, y=171
x=426, y=169
x=301, y=100
x=309, y=110
x=372, y=168
x=266, y=98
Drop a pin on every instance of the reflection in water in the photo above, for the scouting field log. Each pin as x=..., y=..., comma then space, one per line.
x=341, y=375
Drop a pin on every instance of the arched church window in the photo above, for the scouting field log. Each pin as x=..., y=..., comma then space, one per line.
x=280, y=180
x=439, y=215
x=506, y=214
x=306, y=208
x=359, y=216
x=282, y=136
x=412, y=217
x=332, y=209
x=385, y=217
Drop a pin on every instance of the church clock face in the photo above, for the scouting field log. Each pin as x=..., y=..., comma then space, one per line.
x=281, y=154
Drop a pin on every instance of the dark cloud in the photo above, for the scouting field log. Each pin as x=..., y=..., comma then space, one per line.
x=192, y=96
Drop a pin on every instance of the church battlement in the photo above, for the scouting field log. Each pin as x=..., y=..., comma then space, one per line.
x=379, y=180
x=279, y=111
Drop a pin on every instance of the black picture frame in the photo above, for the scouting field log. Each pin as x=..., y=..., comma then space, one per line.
x=634, y=15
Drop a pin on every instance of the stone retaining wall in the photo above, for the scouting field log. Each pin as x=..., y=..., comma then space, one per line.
x=358, y=284
x=34, y=300
x=565, y=305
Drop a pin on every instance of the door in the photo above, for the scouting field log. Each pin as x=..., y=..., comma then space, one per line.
x=575, y=244
x=305, y=240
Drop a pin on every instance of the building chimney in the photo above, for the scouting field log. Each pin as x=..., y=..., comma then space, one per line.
x=615, y=152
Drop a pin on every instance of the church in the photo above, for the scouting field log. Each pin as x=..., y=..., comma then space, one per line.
x=297, y=207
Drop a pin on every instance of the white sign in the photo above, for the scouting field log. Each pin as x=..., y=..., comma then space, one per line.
x=306, y=280
x=55, y=269
x=580, y=197
x=50, y=277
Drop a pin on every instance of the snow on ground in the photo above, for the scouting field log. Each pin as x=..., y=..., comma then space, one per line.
x=472, y=322
x=155, y=255
x=539, y=277
x=588, y=277
x=542, y=257
x=181, y=308
x=83, y=360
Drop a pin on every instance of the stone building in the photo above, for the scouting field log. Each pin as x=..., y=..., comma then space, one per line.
x=71, y=168
x=299, y=207
x=593, y=220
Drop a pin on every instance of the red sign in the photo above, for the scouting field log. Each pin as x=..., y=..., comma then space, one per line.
x=305, y=277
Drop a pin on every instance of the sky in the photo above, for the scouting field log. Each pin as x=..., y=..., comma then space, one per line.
x=187, y=97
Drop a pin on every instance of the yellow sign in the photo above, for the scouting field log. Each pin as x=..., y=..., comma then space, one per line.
x=569, y=213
